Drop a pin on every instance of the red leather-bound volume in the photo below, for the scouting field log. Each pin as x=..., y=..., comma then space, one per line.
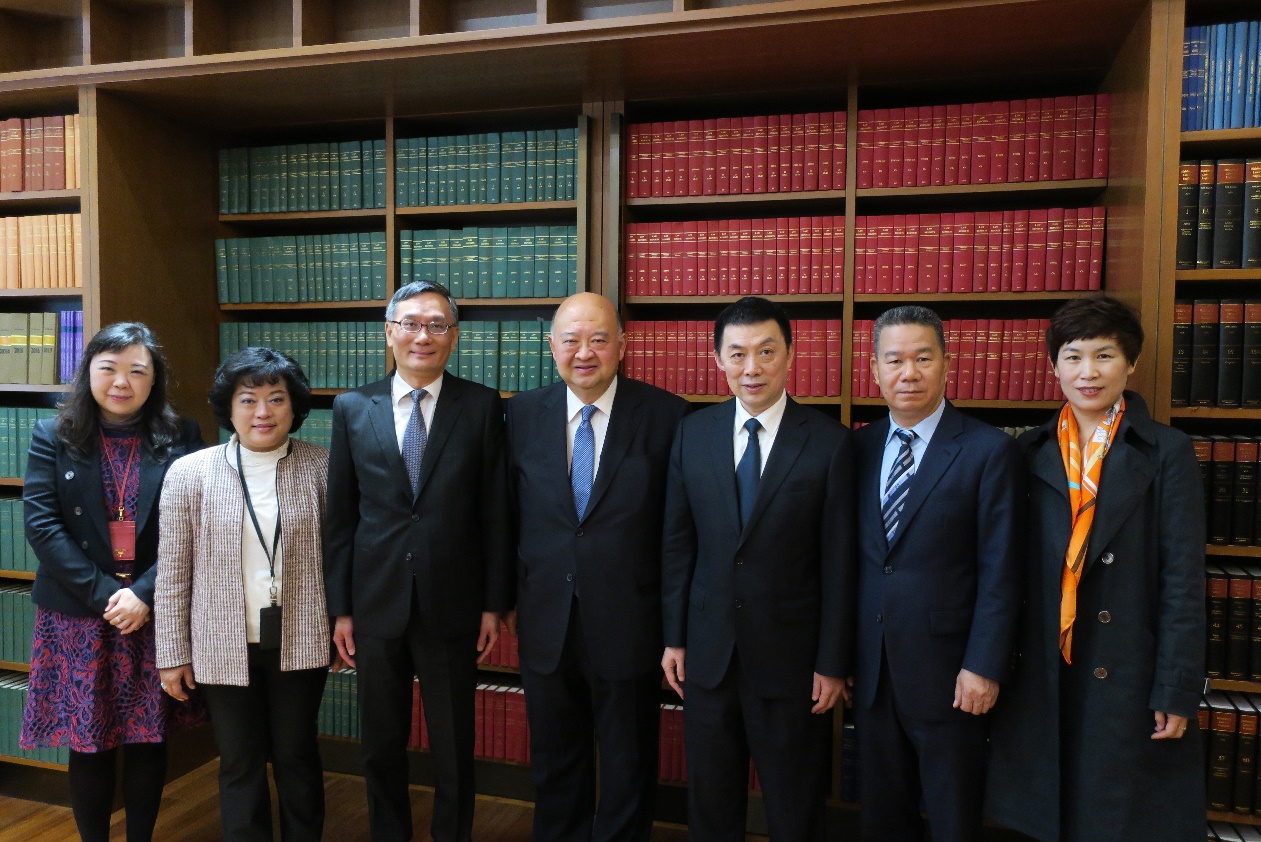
x=883, y=134
x=1102, y=136
x=748, y=154
x=683, y=156
x=669, y=154
x=897, y=145
x=814, y=256
x=1098, y=224
x=937, y=152
x=1065, y=138
x=884, y=254
x=630, y=263
x=1006, y=249
x=822, y=253
x=818, y=357
x=656, y=162
x=744, y=257
x=634, y=151
x=1036, y=272
x=785, y=175
x=1046, y=138
x=11, y=167
x=832, y=358
x=968, y=339
x=954, y=124
x=725, y=266
x=689, y=257
x=797, y=152
x=998, y=337
x=929, y=245
x=1016, y=360
x=761, y=153
x=1081, y=260
x=910, y=262
x=1084, y=136
x=865, y=177
x=923, y=175
x=709, y=153
x=723, y=159
x=1016, y=118
x=669, y=345
x=897, y=270
x=54, y=153
x=952, y=329
x=967, y=132
x=1020, y=251
x=993, y=251
x=964, y=251
x=840, y=128
x=1033, y=129
x=695, y=160
x=1000, y=138
x=1054, y=248
x=813, y=140
x=779, y=254
x=827, y=140
x=982, y=142
x=687, y=358
x=860, y=254
x=777, y=153
x=945, y=253
x=33, y=153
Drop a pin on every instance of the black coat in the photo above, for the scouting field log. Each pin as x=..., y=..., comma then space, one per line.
x=1138, y=647
x=66, y=522
x=613, y=556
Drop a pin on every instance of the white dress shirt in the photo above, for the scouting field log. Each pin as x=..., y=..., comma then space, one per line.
x=599, y=422
x=923, y=434
x=401, y=396
x=766, y=436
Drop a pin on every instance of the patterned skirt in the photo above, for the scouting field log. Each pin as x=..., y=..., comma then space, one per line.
x=94, y=689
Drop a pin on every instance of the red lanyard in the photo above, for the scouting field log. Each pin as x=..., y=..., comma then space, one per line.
x=120, y=489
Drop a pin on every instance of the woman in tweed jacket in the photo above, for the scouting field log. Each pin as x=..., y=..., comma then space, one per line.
x=240, y=608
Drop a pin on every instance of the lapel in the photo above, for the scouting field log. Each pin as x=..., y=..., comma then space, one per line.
x=869, y=495
x=381, y=416
x=1127, y=474
x=789, y=442
x=552, y=434
x=940, y=455
x=719, y=462
x=88, y=471
x=151, y=473
x=623, y=424
x=446, y=413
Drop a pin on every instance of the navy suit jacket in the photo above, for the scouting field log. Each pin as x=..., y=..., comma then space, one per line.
x=944, y=595
x=612, y=557
x=447, y=543
x=780, y=592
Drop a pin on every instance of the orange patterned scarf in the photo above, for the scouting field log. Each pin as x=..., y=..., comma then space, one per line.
x=1083, y=486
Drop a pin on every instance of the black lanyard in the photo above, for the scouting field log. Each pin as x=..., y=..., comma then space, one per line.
x=258, y=530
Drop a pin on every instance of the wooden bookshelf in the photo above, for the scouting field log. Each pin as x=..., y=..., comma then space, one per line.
x=34, y=388
x=1215, y=412
x=962, y=297
x=21, y=575
x=975, y=404
x=803, y=298
x=504, y=209
x=1233, y=818
x=34, y=764
x=306, y=305
x=1236, y=686
x=1229, y=550
x=12, y=482
x=375, y=214
x=15, y=666
x=42, y=292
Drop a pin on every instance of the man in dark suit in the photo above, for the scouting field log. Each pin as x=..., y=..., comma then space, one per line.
x=939, y=590
x=417, y=557
x=587, y=463
x=758, y=585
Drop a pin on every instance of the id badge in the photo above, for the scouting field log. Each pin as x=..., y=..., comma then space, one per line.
x=122, y=539
x=269, y=627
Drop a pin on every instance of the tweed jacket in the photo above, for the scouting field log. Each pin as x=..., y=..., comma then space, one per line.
x=200, y=596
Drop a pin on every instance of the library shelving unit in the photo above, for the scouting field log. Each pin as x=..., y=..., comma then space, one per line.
x=162, y=86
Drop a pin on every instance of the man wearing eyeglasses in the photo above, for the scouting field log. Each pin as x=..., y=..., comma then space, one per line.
x=416, y=557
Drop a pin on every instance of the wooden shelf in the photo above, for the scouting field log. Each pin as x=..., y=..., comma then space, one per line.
x=12, y=482
x=1235, y=686
x=23, y=575
x=806, y=399
x=508, y=302
x=38, y=764
x=499, y=668
x=305, y=305
x=802, y=298
x=303, y=216
x=1232, y=550
x=974, y=404
x=1043, y=187
x=1220, y=135
x=1208, y=275
x=515, y=208
x=964, y=297
x=33, y=388
x=43, y=292
x=1234, y=818
x=740, y=199
x=14, y=666
x=332, y=392
x=51, y=200
x=1215, y=412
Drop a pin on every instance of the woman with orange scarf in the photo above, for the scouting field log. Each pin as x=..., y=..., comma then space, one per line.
x=1096, y=736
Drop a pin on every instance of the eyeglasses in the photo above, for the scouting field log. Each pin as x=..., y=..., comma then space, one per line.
x=412, y=326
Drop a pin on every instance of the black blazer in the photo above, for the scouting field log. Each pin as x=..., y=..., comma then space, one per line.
x=67, y=523
x=449, y=543
x=945, y=595
x=613, y=556
x=781, y=592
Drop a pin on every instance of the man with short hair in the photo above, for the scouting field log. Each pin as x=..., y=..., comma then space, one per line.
x=416, y=557
x=939, y=498
x=759, y=586
x=587, y=464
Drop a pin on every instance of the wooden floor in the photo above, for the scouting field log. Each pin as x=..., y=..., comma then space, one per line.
x=190, y=813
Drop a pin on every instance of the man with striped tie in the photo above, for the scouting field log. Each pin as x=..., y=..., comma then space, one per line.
x=939, y=502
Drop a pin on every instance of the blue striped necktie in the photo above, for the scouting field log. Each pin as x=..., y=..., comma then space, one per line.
x=899, y=484
x=582, y=471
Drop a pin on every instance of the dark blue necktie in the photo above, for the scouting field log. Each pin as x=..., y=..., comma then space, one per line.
x=582, y=471
x=414, y=438
x=749, y=472
x=899, y=483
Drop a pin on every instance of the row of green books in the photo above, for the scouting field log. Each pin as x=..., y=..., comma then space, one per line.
x=15, y=552
x=16, y=423
x=511, y=356
x=316, y=429
x=13, y=686
x=312, y=267
x=539, y=261
x=17, y=623
x=334, y=355
x=302, y=177
x=486, y=168
x=339, y=707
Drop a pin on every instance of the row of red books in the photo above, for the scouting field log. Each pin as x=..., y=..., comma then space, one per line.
x=783, y=256
x=777, y=153
x=671, y=756
x=991, y=359
x=502, y=732
x=41, y=252
x=678, y=356
x=504, y=652
x=1020, y=140
x=39, y=153
x=983, y=251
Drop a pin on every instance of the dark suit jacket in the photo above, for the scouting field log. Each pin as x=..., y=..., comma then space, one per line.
x=67, y=525
x=613, y=557
x=780, y=592
x=946, y=594
x=449, y=543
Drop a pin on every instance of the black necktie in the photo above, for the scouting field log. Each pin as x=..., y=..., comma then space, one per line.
x=749, y=472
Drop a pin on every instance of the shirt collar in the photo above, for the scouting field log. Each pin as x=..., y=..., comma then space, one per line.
x=604, y=403
x=923, y=429
x=769, y=419
x=400, y=388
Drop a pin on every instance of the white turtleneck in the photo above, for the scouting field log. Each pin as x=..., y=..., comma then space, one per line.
x=260, y=478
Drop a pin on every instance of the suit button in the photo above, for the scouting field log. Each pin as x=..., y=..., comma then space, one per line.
x=1105, y=617
x=879, y=618
x=579, y=533
x=78, y=510
x=1100, y=672
x=69, y=474
x=84, y=545
x=409, y=557
x=739, y=559
x=1107, y=558
x=739, y=604
x=888, y=568
x=415, y=517
x=569, y=577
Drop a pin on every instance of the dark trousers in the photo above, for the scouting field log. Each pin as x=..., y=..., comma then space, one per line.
x=572, y=713
x=93, y=777
x=447, y=670
x=789, y=746
x=902, y=759
x=272, y=719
